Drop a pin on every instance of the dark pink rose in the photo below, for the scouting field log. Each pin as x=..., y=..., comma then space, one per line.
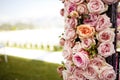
x=96, y=6
x=69, y=34
x=106, y=35
x=107, y=73
x=106, y=49
x=82, y=9
x=103, y=22
x=80, y=59
x=77, y=47
x=70, y=22
x=91, y=20
x=110, y=1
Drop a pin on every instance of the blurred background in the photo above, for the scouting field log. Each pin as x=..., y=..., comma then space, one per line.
x=29, y=39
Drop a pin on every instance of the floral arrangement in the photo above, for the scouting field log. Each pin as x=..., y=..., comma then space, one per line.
x=87, y=40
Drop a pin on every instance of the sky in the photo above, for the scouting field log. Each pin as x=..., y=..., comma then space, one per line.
x=13, y=10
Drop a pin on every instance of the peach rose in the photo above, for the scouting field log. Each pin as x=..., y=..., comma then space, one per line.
x=85, y=31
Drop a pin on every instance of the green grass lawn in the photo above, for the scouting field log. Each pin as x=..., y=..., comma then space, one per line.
x=26, y=69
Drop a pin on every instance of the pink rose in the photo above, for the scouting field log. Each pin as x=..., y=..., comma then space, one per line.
x=91, y=72
x=78, y=73
x=62, y=41
x=72, y=78
x=66, y=74
x=67, y=53
x=80, y=59
x=91, y=20
x=70, y=22
x=68, y=44
x=62, y=12
x=69, y=7
x=106, y=49
x=86, y=43
x=106, y=35
x=82, y=9
x=107, y=73
x=97, y=61
x=69, y=34
x=69, y=66
x=96, y=6
x=77, y=47
x=77, y=1
x=110, y=1
x=103, y=22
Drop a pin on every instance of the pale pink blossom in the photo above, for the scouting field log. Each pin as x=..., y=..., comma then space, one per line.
x=106, y=49
x=91, y=72
x=110, y=1
x=96, y=6
x=68, y=43
x=91, y=20
x=80, y=59
x=82, y=9
x=106, y=35
x=70, y=22
x=87, y=42
x=66, y=74
x=69, y=34
x=107, y=73
x=76, y=1
x=70, y=66
x=103, y=22
x=78, y=73
x=77, y=47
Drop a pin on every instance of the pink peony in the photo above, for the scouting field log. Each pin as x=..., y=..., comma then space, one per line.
x=80, y=59
x=69, y=34
x=106, y=35
x=70, y=22
x=82, y=9
x=110, y=1
x=77, y=47
x=86, y=43
x=106, y=49
x=91, y=20
x=107, y=73
x=96, y=6
x=103, y=22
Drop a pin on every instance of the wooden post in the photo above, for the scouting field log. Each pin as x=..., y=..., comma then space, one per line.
x=113, y=60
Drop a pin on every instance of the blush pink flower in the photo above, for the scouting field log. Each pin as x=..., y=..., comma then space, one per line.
x=77, y=1
x=91, y=72
x=107, y=73
x=106, y=35
x=103, y=22
x=86, y=42
x=106, y=49
x=66, y=74
x=110, y=1
x=71, y=22
x=69, y=34
x=77, y=47
x=91, y=20
x=96, y=6
x=82, y=9
x=81, y=59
